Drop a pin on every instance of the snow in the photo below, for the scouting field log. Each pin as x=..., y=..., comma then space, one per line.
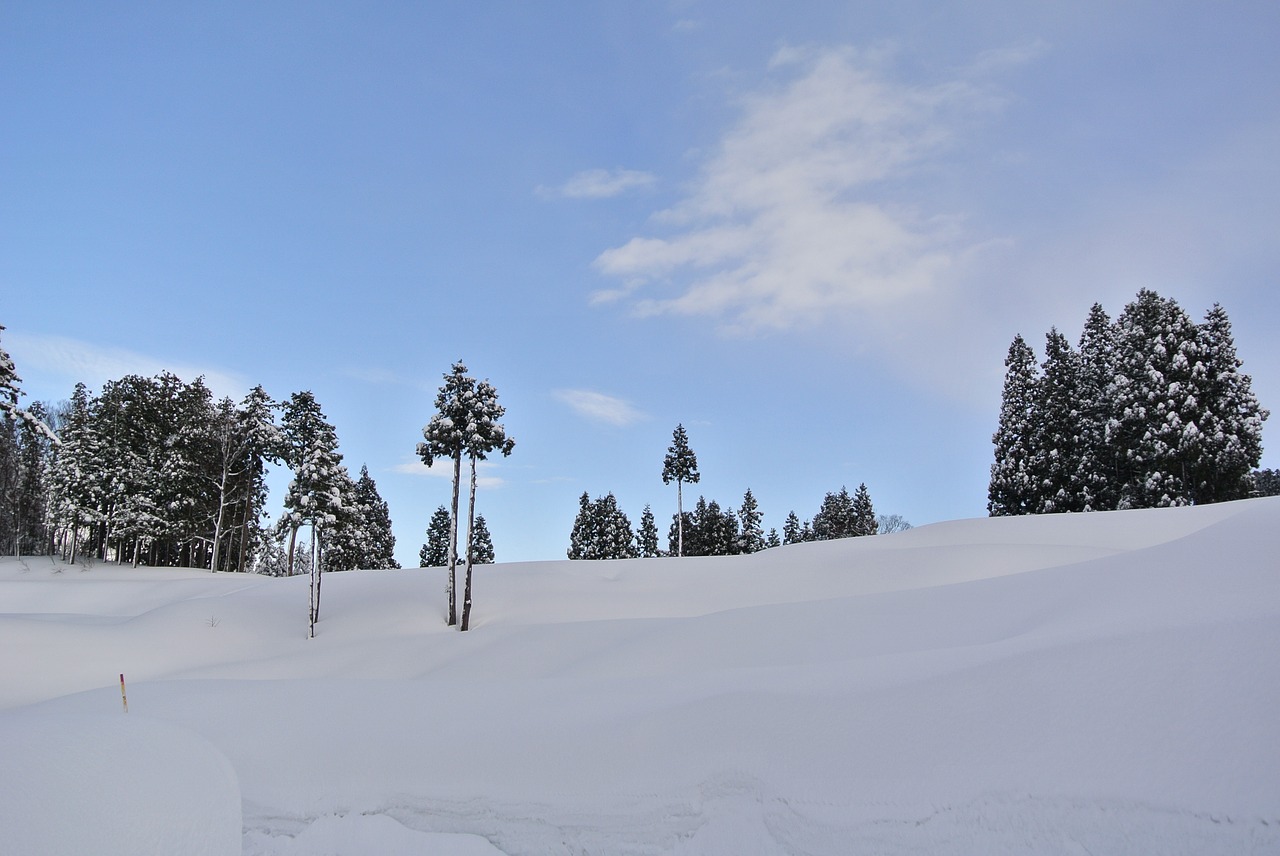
x=1098, y=683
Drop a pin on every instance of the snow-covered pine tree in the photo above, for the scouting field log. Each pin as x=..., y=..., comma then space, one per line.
x=647, y=535
x=1056, y=434
x=1230, y=419
x=481, y=543
x=379, y=541
x=485, y=435
x=1265, y=483
x=864, y=515
x=772, y=540
x=315, y=495
x=581, y=539
x=435, y=552
x=752, y=538
x=74, y=486
x=835, y=518
x=791, y=529
x=1155, y=394
x=720, y=532
x=1097, y=478
x=680, y=466
x=34, y=456
x=1012, y=488
x=601, y=531
x=445, y=438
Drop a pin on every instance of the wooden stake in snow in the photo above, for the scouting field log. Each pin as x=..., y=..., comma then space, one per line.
x=123, y=698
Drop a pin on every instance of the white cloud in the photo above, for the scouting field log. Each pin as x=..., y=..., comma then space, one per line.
x=95, y=365
x=794, y=216
x=444, y=470
x=600, y=407
x=603, y=183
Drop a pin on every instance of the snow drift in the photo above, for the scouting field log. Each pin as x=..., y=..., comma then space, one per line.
x=1014, y=685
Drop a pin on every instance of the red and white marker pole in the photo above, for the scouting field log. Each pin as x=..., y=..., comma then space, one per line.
x=123, y=698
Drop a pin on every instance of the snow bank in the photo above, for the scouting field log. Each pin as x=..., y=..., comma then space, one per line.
x=113, y=784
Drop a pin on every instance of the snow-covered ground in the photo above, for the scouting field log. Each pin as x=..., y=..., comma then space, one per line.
x=1104, y=683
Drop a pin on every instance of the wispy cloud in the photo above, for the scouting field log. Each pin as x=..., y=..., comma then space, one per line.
x=94, y=365
x=795, y=215
x=599, y=407
x=601, y=183
x=444, y=470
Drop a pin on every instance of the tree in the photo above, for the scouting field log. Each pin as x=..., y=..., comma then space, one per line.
x=74, y=485
x=445, y=438
x=485, y=435
x=791, y=532
x=1266, y=483
x=708, y=531
x=601, y=530
x=481, y=543
x=315, y=495
x=1098, y=461
x=435, y=553
x=680, y=466
x=1155, y=393
x=378, y=544
x=835, y=519
x=752, y=532
x=772, y=540
x=647, y=536
x=887, y=524
x=1056, y=435
x=1012, y=487
x=1229, y=422
x=864, y=515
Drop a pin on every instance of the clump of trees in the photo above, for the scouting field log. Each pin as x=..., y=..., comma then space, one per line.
x=1152, y=409
x=465, y=425
x=602, y=530
x=155, y=471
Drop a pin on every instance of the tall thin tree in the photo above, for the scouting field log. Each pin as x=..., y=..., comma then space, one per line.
x=680, y=466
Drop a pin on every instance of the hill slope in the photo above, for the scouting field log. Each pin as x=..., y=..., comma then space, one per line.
x=1017, y=685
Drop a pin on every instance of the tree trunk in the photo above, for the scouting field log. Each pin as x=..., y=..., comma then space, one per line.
x=453, y=541
x=471, y=525
x=679, y=518
x=244, y=534
x=315, y=592
x=293, y=538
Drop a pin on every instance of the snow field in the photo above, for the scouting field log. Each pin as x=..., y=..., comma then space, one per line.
x=1083, y=683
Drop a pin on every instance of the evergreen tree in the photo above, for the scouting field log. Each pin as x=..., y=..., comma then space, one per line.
x=74, y=485
x=1229, y=422
x=647, y=536
x=1056, y=436
x=601, y=530
x=481, y=543
x=485, y=435
x=791, y=533
x=435, y=553
x=835, y=518
x=34, y=456
x=680, y=466
x=864, y=515
x=1155, y=394
x=445, y=438
x=1266, y=483
x=1012, y=489
x=379, y=544
x=315, y=496
x=1098, y=468
x=772, y=540
x=752, y=532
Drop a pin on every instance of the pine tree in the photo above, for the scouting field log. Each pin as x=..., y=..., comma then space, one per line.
x=680, y=466
x=835, y=518
x=1012, y=489
x=435, y=553
x=1098, y=469
x=791, y=532
x=601, y=530
x=581, y=539
x=772, y=540
x=445, y=438
x=647, y=536
x=1229, y=422
x=752, y=532
x=864, y=515
x=1155, y=395
x=1265, y=483
x=74, y=485
x=485, y=435
x=1056, y=436
x=379, y=542
x=481, y=543
x=315, y=495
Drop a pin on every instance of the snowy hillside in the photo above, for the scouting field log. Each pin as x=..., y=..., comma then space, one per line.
x=1103, y=683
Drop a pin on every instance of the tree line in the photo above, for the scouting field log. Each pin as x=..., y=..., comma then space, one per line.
x=1152, y=409
x=156, y=471
x=602, y=530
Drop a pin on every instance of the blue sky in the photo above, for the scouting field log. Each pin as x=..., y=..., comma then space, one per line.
x=807, y=233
